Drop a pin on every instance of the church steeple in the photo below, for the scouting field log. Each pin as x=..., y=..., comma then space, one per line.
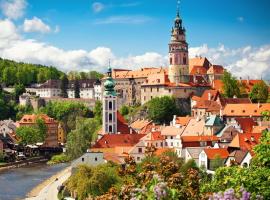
x=178, y=51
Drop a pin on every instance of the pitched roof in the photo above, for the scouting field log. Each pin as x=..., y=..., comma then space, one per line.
x=195, y=127
x=160, y=151
x=213, y=94
x=198, y=70
x=238, y=155
x=213, y=153
x=140, y=73
x=259, y=129
x=172, y=130
x=228, y=133
x=153, y=136
x=183, y=121
x=215, y=69
x=30, y=119
x=122, y=125
x=245, y=110
x=210, y=106
x=224, y=101
x=140, y=124
x=51, y=84
x=194, y=152
x=213, y=120
x=245, y=141
x=201, y=138
x=114, y=140
x=199, y=61
x=246, y=124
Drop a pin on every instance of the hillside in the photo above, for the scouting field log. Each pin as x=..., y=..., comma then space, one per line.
x=12, y=73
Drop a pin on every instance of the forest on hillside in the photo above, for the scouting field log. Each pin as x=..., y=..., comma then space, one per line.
x=12, y=73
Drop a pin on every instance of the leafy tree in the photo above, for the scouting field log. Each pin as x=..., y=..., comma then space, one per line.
x=162, y=109
x=262, y=151
x=79, y=140
x=230, y=85
x=95, y=75
x=28, y=135
x=216, y=163
x=64, y=86
x=83, y=75
x=124, y=110
x=77, y=88
x=98, y=111
x=19, y=89
x=259, y=93
x=266, y=115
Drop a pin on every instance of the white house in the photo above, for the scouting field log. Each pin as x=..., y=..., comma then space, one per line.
x=49, y=89
x=97, y=90
x=90, y=159
x=239, y=157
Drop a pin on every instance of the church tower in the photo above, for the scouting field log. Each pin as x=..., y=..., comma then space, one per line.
x=109, y=105
x=178, y=52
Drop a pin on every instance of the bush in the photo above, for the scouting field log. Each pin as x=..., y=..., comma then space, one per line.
x=56, y=159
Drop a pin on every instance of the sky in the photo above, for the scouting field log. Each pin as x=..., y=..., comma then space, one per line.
x=86, y=34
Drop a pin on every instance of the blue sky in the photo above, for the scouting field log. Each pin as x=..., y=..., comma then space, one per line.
x=85, y=34
x=234, y=23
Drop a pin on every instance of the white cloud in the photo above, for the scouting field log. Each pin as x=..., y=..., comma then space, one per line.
x=124, y=19
x=97, y=7
x=13, y=9
x=35, y=25
x=245, y=61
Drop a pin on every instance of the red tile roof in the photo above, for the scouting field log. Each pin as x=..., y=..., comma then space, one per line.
x=208, y=105
x=214, y=94
x=245, y=141
x=246, y=124
x=153, y=136
x=215, y=69
x=30, y=119
x=201, y=138
x=183, y=121
x=213, y=153
x=198, y=70
x=160, y=151
x=114, y=140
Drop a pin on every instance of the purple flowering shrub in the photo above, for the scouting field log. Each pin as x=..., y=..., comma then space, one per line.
x=231, y=194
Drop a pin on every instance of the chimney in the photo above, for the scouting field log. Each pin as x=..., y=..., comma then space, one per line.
x=130, y=130
x=174, y=120
x=248, y=80
x=209, y=96
x=252, y=138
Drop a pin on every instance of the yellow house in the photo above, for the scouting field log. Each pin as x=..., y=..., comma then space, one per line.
x=61, y=134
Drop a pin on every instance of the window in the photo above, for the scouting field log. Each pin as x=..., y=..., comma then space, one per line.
x=185, y=61
x=110, y=129
x=166, y=144
x=95, y=158
x=82, y=159
x=157, y=89
x=151, y=89
x=138, y=158
x=144, y=97
x=170, y=61
x=203, y=144
x=140, y=150
x=171, y=143
x=161, y=144
x=110, y=105
x=110, y=117
x=171, y=137
x=169, y=90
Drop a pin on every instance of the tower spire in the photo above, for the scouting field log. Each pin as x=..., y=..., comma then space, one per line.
x=178, y=8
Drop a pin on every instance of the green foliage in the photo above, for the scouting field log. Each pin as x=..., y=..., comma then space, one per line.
x=64, y=86
x=66, y=112
x=266, y=115
x=22, y=110
x=98, y=111
x=93, y=181
x=259, y=93
x=124, y=110
x=262, y=151
x=73, y=75
x=79, y=140
x=18, y=90
x=60, y=158
x=12, y=73
x=162, y=109
x=2, y=157
x=29, y=135
x=216, y=163
x=230, y=85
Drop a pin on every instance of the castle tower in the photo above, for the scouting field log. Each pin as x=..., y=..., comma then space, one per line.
x=178, y=52
x=109, y=105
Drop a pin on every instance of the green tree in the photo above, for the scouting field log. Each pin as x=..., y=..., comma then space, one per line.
x=259, y=93
x=77, y=88
x=95, y=75
x=79, y=140
x=216, y=163
x=64, y=86
x=19, y=89
x=230, y=85
x=124, y=110
x=266, y=115
x=98, y=111
x=262, y=151
x=28, y=135
x=162, y=109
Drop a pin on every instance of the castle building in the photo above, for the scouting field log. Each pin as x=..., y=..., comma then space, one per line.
x=178, y=53
x=109, y=105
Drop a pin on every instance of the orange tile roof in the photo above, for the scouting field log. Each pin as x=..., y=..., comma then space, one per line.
x=113, y=157
x=172, y=130
x=140, y=73
x=214, y=94
x=259, y=129
x=198, y=70
x=199, y=138
x=183, y=121
x=215, y=69
x=245, y=141
x=153, y=136
x=30, y=119
x=210, y=106
x=140, y=124
x=114, y=140
x=245, y=110
x=217, y=85
x=195, y=127
x=199, y=61
x=160, y=151
x=213, y=153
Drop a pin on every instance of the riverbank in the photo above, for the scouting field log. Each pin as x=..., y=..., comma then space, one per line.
x=48, y=188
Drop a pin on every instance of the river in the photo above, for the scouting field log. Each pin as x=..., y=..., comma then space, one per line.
x=16, y=183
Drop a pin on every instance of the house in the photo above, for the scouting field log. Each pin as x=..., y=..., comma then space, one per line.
x=213, y=124
x=181, y=121
x=51, y=139
x=98, y=90
x=232, y=111
x=61, y=135
x=86, y=89
x=140, y=124
x=194, y=127
x=90, y=159
x=189, y=153
x=227, y=134
x=245, y=141
x=239, y=157
x=211, y=159
x=215, y=72
x=198, y=141
x=51, y=88
x=243, y=125
x=205, y=108
x=8, y=127
x=172, y=136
